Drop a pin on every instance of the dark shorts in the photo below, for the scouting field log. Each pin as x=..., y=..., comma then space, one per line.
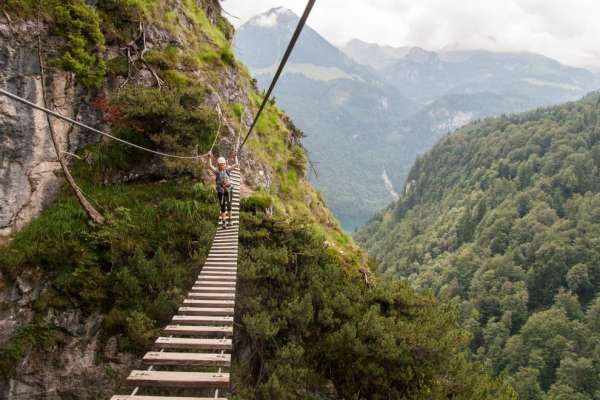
x=225, y=200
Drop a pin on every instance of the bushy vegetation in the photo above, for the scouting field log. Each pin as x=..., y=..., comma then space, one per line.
x=503, y=219
x=174, y=119
x=308, y=328
x=135, y=269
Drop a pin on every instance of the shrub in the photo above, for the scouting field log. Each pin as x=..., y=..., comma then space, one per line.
x=259, y=201
x=80, y=24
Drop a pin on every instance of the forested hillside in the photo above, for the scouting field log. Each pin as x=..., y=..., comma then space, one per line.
x=502, y=218
x=81, y=301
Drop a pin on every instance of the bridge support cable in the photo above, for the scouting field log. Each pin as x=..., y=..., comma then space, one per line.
x=284, y=60
x=89, y=128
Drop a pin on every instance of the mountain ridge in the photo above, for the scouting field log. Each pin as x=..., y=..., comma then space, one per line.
x=404, y=101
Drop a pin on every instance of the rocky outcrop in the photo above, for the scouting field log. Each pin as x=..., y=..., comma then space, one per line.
x=29, y=170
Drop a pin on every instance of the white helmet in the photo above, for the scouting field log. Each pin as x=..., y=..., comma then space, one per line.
x=221, y=160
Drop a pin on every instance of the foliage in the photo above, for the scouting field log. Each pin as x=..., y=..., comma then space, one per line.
x=174, y=119
x=80, y=24
x=502, y=218
x=38, y=336
x=134, y=269
x=258, y=201
x=305, y=323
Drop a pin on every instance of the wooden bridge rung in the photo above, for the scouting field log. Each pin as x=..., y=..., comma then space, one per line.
x=213, y=289
x=198, y=330
x=179, y=379
x=217, y=278
x=212, y=296
x=209, y=303
x=217, y=272
x=225, y=311
x=200, y=359
x=215, y=283
x=193, y=343
x=201, y=319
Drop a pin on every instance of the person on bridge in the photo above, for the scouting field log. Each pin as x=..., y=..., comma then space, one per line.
x=224, y=186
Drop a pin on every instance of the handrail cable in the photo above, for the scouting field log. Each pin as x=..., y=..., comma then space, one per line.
x=84, y=126
x=282, y=64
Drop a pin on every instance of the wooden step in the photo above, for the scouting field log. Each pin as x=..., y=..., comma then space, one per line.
x=201, y=319
x=227, y=268
x=218, y=273
x=209, y=303
x=220, y=264
x=212, y=296
x=136, y=397
x=206, y=277
x=198, y=330
x=232, y=236
x=201, y=282
x=178, y=379
x=223, y=253
x=172, y=358
x=213, y=289
x=192, y=343
x=225, y=311
x=225, y=243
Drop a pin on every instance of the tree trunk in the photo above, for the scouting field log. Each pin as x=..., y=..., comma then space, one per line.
x=87, y=206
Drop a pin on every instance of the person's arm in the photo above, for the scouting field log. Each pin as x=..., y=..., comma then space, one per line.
x=210, y=164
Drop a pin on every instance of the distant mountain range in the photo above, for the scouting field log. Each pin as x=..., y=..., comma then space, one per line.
x=369, y=110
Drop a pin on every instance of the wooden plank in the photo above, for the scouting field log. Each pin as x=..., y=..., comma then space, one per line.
x=179, y=379
x=213, y=289
x=212, y=296
x=190, y=359
x=193, y=343
x=218, y=273
x=206, y=277
x=201, y=282
x=202, y=319
x=220, y=264
x=209, y=303
x=198, y=330
x=136, y=397
x=206, y=311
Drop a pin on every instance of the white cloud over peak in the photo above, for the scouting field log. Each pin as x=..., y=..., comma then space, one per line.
x=567, y=31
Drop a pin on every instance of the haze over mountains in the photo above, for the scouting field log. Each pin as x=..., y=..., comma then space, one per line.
x=369, y=110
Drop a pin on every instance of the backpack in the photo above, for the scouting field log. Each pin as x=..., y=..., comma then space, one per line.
x=223, y=179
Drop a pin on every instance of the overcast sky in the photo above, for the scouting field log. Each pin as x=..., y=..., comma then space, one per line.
x=568, y=30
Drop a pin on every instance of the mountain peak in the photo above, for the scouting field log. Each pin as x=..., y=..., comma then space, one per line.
x=422, y=56
x=273, y=17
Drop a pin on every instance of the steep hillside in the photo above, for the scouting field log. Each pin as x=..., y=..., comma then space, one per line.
x=81, y=301
x=501, y=218
x=344, y=108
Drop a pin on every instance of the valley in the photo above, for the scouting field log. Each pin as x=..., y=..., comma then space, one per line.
x=367, y=108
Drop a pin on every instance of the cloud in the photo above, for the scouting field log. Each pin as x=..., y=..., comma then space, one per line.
x=567, y=32
x=267, y=20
